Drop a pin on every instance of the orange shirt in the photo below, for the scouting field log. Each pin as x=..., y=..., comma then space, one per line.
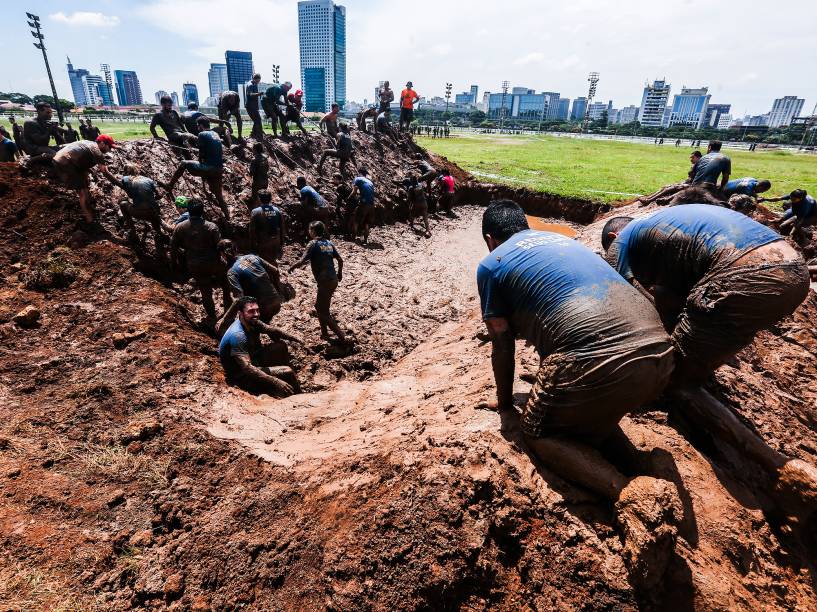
x=409, y=96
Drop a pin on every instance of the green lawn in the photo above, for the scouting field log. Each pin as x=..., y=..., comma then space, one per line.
x=607, y=170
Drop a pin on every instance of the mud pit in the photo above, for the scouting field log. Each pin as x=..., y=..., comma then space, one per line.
x=132, y=476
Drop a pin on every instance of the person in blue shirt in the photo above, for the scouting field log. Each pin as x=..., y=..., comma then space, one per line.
x=711, y=166
x=321, y=254
x=247, y=362
x=143, y=204
x=313, y=206
x=747, y=186
x=363, y=190
x=717, y=278
x=210, y=166
x=267, y=228
x=251, y=275
x=8, y=150
x=802, y=212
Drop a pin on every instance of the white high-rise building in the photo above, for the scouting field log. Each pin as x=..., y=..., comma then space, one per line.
x=653, y=104
x=724, y=121
x=322, y=35
x=784, y=110
x=159, y=95
x=689, y=107
x=217, y=76
x=90, y=85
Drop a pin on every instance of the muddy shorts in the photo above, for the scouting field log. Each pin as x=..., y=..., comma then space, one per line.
x=71, y=176
x=726, y=308
x=406, y=115
x=198, y=169
x=270, y=249
x=326, y=289
x=207, y=274
x=447, y=201
x=587, y=397
x=364, y=214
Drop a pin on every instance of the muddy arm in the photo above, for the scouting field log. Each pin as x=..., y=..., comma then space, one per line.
x=502, y=359
x=276, y=333
x=253, y=372
x=227, y=319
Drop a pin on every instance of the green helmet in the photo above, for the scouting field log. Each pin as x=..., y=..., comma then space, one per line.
x=181, y=202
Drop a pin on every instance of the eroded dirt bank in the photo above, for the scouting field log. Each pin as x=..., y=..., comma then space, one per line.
x=132, y=477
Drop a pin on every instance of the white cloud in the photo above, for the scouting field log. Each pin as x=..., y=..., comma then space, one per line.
x=531, y=58
x=86, y=18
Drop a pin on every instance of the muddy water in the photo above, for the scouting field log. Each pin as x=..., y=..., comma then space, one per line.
x=543, y=225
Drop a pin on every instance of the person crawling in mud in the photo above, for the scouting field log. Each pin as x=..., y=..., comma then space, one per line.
x=252, y=275
x=363, y=116
x=363, y=191
x=716, y=276
x=603, y=350
x=210, y=166
x=194, y=247
x=259, y=172
x=802, y=212
x=747, y=186
x=344, y=151
x=267, y=228
x=173, y=127
x=143, y=202
x=313, y=206
x=382, y=125
x=427, y=172
x=229, y=104
x=321, y=254
x=663, y=196
x=248, y=363
x=74, y=162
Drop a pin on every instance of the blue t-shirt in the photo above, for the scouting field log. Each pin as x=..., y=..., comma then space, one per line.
x=710, y=167
x=743, y=186
x=141, y=190
x=366, y=188
x=251, y=101
x=7, y=150
x=321, y=254
x=211, y=152
x=267, y=219
x=182, y=218
x=312, y=197
x=561, y=297
x=248, y=277
x=235, y=342
x=678, y=246
x=803, y=209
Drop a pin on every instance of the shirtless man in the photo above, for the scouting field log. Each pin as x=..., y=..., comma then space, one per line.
x=173, y=127
x=385, y=96
x=329, y=122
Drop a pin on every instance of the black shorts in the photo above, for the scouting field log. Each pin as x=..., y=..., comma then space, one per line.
x=406, y=115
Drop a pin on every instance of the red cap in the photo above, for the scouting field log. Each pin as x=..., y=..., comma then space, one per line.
x=106, y=139
x=298, y=93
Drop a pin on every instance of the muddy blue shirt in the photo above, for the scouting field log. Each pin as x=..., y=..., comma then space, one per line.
x=236, y=343
x=710, y=167
x=266, y=220
x=141, y=190
x=803, y=209
x=366, y=189
x=311, y=197
x=182, y=218
x=678, y=246
x=7, y=150
x=743, y=186
x=211, y=151
x=247, y=276
x=321, y=254
x=561, y=297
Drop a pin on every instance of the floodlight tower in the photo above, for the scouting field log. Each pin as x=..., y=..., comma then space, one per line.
x=593, y=79
x=276, y=71
x=448, y=87
x=106, y=70
x=34, y=23
x=505, y=85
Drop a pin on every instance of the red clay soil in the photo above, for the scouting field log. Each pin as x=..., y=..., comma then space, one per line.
x=133, y=477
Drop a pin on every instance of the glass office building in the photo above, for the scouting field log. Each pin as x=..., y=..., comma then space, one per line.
x=239, y=68
x=322, y=36
x=128, y=89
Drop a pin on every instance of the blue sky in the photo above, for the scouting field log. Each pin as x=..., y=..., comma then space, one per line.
x=747, y=52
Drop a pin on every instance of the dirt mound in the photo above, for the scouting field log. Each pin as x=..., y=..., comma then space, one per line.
x=132, y=476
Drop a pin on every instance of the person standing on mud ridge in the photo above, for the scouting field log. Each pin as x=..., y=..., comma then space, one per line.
x=37, y=134
x=446, y=182
x=717, y=278
x=173, y=127
x=248, y=363
x=407, y=99
x=267, y=228
x=802, y=213
x=295, y=102
x=363, y=191
x=329, y=122
x=199, y=240
x=74, y=162
x=251, y=104
x=321, y=253
x=259, y=172
x=229, y=103
x=252, y=275
x=313, y=206
x=603, y=353
x=274, y=98
x=210, y=166
x=344, y=151
x=143, y=204
x=386, y=97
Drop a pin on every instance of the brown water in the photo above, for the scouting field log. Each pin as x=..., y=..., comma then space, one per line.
x=539, y=224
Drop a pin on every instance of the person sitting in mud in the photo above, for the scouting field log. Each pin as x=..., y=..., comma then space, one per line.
x=802, y=212
x=173, y=127
x=199, y=239
x=143, y=204
x=363, y=192
x=229, y=104
x=603, y=350
x=252, y=275
x=344, y=151
x=313, y=206
x=417, y=203
x=248, y=363
x=747, y=186
x=273, y=99
x=259, y=172
x=363, y=116
x=37, y=134
x=446, y=182
x=210, y=166
x=74, y=162
x=295, y=103
x=321, y=253
x=664, y=195
x=329, y=122
x=717, y=278
x=267, y=228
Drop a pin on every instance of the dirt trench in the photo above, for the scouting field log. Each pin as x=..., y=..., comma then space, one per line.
x=133, y=477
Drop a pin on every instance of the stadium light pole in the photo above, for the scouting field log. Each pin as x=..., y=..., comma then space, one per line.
x=447, y=96
x=34, y=23
x=505, y=85
x=593, y=79
x=276, y=71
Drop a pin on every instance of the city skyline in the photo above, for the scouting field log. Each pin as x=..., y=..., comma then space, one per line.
x=748, y=79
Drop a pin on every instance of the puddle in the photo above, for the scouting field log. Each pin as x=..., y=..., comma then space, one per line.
x=539, y=224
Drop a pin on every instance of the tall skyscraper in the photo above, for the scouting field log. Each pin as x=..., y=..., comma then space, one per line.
x=190, y=93
x=322, y=35
x=128, y=90
x=579, y=109
x=239, y=68
x=474, y=93
x=159, y=95
x=653, y=104
x=175, y=97
x=784, y=110
x=689, y=107
x=714, y=113
x=75, y=77
x=217, y=75
x=564, y=109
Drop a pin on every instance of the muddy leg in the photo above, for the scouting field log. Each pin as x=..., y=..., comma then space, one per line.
x=124, y=209
x=206, y=290
x=86, y=204
x=425, y=221
x=217, y=189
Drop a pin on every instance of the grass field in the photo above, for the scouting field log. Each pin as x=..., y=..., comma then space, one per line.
x=607, y=170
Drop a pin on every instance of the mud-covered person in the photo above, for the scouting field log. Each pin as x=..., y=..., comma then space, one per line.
x=274, y=98
x=664, y=195
x=362, y=116
x=712, y=166
x=382, y=125
x=321, y=254
x=70, y=134
x=717, y=278
x=229, y=105
x=17, y=135
x=172, y=125
x=385, y=97
x=194, y=248
x=801, y=213
x=328, y=124
x=447, y=190
x=251, y=275
x=427, y=172
x=92, y=130
x=37, y=135
x=74, y=162
x=267, y=228
x=8, y=150
x=295, y=103
x=346, y=204
x=344, y=150
x=603, y=349
x=250, y=364
x=313, y=206
x=259, y=172
x=417, y=203
x=143, y=202
x=363, y=191
x=251, y=102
